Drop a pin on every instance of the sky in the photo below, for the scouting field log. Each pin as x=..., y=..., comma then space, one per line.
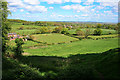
x=64, y=10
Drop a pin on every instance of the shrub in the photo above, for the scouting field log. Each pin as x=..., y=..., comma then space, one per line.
x=64, y=31
x=80, y=38
x=21, y=28
x=57, y=30
x=31, y=37
x=97, y=32
x=99, y=25
x=43, y=30
x=79, y=32
x=87, y=33
x=18, y=49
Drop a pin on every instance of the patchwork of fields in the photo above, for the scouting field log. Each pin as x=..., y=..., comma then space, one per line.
x=78, y=47
x=53, y=55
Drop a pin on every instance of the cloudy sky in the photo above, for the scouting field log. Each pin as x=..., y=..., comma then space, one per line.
x=64, y=10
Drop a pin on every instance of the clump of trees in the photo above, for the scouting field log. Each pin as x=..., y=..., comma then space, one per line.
x=99, y=25
x=97, y=32
x=79, y=32
x=5, y=28
x=87, y=33
x=18, y=49
x=57, y=30
x=64, y=31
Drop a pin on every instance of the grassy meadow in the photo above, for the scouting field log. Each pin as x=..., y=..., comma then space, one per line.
x=53, y=38
x=78, y=47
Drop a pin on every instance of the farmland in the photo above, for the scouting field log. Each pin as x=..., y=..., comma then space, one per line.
x=53, y=38
x=56, y=52
x=104, y=31
x=59, y=40
x=78, y=47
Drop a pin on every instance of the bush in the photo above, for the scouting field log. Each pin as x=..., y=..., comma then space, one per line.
x=64, y=31
x=98, y=32
x=79, y=32
x=87, y=33
x=57, y=30
x=31, y=37
x=21, y=28
x=43, y=30
x=18, y=49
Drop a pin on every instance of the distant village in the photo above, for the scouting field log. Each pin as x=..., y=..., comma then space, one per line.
x=13, y=36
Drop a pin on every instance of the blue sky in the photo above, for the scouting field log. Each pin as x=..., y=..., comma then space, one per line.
x=64, y=10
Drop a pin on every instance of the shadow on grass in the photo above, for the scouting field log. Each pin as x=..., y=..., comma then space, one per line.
x=83, y=66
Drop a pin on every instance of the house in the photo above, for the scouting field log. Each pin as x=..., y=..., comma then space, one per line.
x=13, y=36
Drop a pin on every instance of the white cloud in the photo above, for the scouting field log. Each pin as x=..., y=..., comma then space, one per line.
x=106, y=0
x=76, y=1
x=84, y=15
x=78, y=11
x=108, y=12
x=31, y=8
x=12, y=9
x=99, y=7
x=33, y=2
x=15, y=3
x=27, y=13
x=88, y=2
x=36, y=8
x=60, y=16
x=67, y=7
x=51, y=7
x=21, y=10
x=77, y=8
x=53, y=1
x=66, y=0
x=92, y=10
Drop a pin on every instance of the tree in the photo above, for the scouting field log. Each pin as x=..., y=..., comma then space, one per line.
x=97, y=32
x=5, y=25
x=64, y=31
x=99, y=25
x=57, y=29
x=87, y=33
x=79, y=32
x=18, y=49
x=43, y=30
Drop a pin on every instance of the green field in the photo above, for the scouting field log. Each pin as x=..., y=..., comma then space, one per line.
x=27, y=29
x=78, y=47
x=104, y=31
x=53, y=38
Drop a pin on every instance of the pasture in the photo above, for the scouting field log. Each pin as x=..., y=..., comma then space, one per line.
x=53, y=38
x=104, y=31
x=79, y=47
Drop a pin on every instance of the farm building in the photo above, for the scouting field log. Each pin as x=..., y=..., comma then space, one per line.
x=13, y=36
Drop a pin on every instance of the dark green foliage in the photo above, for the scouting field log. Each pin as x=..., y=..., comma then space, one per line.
x=99, y=25
x=87, y=33
x=79, y=32
x=43, y=30
x=18, y=49
x=64, y=31
x=97, y=32
x=57, y=30
x=5, y=26
x=21, y=28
